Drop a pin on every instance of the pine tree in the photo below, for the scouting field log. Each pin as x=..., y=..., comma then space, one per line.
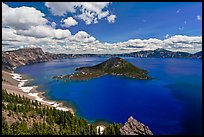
x=5, y=128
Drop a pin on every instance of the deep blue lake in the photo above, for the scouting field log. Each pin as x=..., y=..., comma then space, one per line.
x=169, y=104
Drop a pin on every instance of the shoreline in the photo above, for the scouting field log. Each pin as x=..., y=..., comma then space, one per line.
x=16, y=86
x=31, y=92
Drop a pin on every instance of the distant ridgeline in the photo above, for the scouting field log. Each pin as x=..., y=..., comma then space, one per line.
x=21, y=116
x=112, y=66
x=20, y=57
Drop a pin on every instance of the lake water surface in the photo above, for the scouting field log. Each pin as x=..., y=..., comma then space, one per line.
x=169, y=104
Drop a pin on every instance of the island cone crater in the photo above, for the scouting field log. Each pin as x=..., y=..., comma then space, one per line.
x=112, y=66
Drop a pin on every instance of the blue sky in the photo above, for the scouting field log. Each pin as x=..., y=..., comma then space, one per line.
x=134, y=20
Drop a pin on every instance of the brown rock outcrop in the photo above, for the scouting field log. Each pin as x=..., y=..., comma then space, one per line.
x=133, y=127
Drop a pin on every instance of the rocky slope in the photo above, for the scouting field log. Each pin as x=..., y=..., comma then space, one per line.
x=13, y=59
x=197, y=55
x=162, y=53
x=133, y=127
x=113, y=66
x=20, y=57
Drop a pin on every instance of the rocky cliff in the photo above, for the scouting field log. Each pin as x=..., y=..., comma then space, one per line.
x=13, y=59
x=133, y=127
x=20, y=57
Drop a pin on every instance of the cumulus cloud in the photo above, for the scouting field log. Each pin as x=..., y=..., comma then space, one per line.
x=21, y=17
x=45, y=31
x=69, y=22
x=37, y=31
x=8, y=34
x=184, y=39
x=61, y=8
x=199, y=17
x=183, y=43
x=111, y=18
x=103, y=14
x=62, y=41
x=11, y=41
x=94, y=6
x=84, y=37
x=89, y=12
x=87, y=16
x=61, y=34
x=43, y=34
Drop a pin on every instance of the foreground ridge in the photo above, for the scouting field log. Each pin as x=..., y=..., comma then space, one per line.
x=133, y=127
x=22, y=116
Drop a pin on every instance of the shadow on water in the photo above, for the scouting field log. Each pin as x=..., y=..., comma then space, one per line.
x=192, y=115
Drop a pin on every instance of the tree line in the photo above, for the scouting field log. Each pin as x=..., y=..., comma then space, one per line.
x=52, y=121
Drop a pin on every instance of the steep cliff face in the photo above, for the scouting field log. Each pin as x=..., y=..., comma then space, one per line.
x=12, y=59
x=20, y=57
x=133, y=127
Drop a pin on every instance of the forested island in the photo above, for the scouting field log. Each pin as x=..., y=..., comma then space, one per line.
x=112, y=66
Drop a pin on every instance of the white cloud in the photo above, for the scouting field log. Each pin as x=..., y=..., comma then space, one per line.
x=69, y=22
x=44, y=31
x=87, y=16
x=61, y=8
x=166, y=36
x=53, y=24
x=96, y=7
x=185, y=39
x=62, y=41
x=25, y=22
x=89, y=12
x=10, y=40
x=199, y=17
x=183, y=43
x=95, y=21
x=83, y=36
x=8, y=34
x=23, y=33
x=111, y=18
x=62, y=34
x=21, y=17
x=103, y=14
x=37, y=31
